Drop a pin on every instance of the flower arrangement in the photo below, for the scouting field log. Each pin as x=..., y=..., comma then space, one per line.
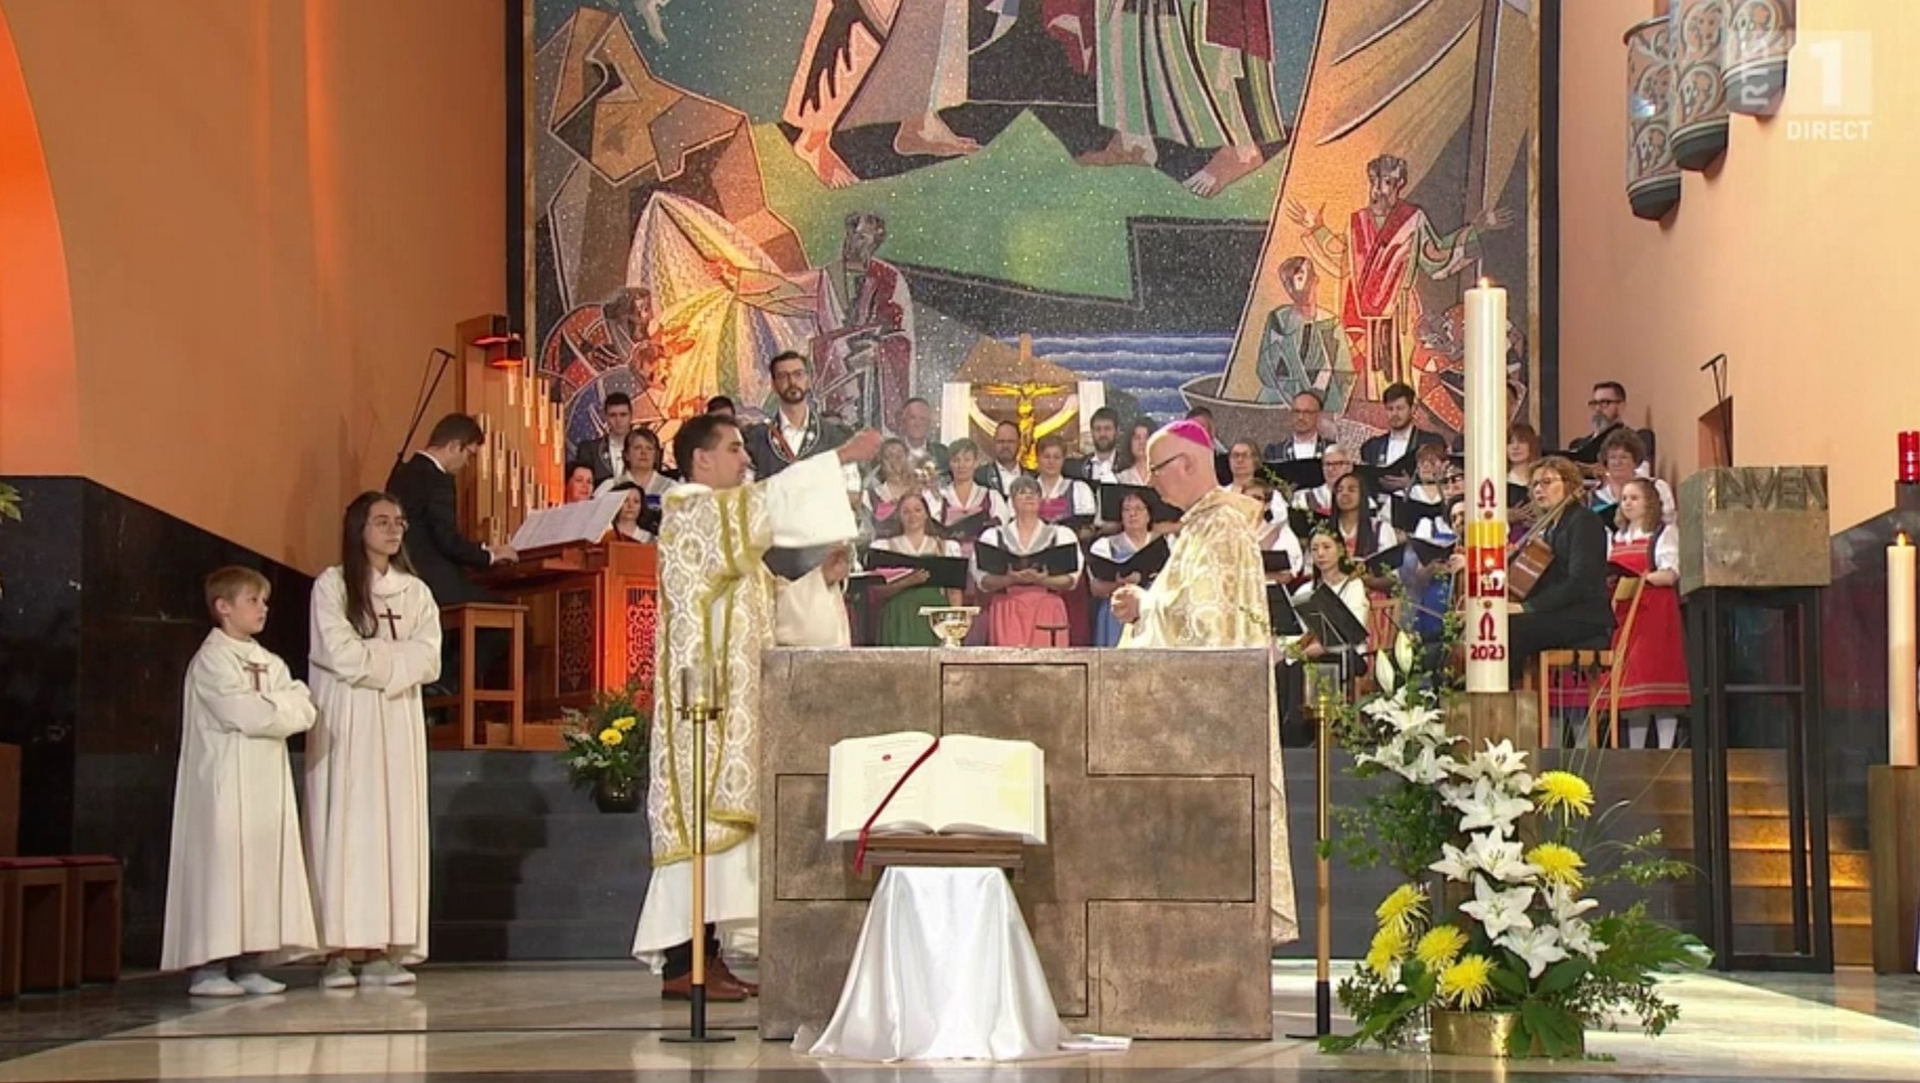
x=1511, y=850
x=606, y=747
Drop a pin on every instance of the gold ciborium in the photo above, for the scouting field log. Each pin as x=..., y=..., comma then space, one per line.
x=950, y=622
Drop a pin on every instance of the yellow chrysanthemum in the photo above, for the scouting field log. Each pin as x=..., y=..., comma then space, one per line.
x=611, y=736
x=1562, y=790
x=625, y=723
x=1402, y=908
x=1389, y=947
x=1440, y=947
x=1465, y=984
x=1558, y=864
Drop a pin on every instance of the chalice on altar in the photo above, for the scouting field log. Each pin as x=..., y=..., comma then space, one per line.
x=950, y=622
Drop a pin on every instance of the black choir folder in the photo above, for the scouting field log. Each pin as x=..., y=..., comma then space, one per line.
x=1059, y=560
x=1148, y=563
x=948, y=572
x=968, y=786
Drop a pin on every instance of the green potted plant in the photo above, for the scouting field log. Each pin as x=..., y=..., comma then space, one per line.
x=606, y=748
x=1505, y=953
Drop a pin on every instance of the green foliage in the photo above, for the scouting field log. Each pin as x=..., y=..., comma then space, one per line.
x=9, y=502
x=609, y=740
x=1589, y=971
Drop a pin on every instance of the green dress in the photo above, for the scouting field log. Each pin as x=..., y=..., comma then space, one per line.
x=901, y=624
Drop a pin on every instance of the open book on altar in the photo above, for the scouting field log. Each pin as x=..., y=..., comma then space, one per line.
x=585, y=521
x=967, y=786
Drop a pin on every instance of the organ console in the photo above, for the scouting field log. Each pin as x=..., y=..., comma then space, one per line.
x=591, y=606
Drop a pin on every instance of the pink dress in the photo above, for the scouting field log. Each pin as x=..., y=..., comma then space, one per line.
x=1028, y=616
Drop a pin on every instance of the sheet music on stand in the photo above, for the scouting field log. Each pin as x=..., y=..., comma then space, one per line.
x=586, y=521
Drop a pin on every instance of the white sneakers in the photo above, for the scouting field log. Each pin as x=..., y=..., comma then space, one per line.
x=213, y=981
x=380, y=972
x=386, y=972
x=259, y=984
x=338, y=975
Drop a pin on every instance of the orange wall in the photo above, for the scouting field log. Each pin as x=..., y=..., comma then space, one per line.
x=272, y=210
x=39, y=423
x=1788, y=260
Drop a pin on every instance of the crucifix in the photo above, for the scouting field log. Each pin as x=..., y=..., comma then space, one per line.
x=254, y=670
x=393, y=623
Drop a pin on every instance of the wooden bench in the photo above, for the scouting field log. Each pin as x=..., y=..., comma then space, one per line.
x=463, y=623
x=93, y=918
x=33, y=926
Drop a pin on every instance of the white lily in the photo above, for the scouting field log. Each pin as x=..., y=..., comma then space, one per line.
x=1426, y=768
x=1498, y=910
x=1500, y=859
x=1578, y=936
x=1453, y=864
x=1383, y=673
x=1540, y=948
x=1490, y=809
x=1499, y=761
x=1566, y=904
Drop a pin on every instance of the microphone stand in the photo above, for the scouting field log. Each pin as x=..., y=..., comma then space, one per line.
x=426, y=399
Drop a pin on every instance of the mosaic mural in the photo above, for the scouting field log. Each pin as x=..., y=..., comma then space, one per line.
x=1215, y=202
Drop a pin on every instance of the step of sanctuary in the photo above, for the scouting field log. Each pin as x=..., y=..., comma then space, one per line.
x=524, y=865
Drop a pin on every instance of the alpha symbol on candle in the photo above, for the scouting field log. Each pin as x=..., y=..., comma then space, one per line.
x=1487, y=493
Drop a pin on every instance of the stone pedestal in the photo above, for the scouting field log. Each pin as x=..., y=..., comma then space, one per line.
x=1149, y=905
x=1752, y=527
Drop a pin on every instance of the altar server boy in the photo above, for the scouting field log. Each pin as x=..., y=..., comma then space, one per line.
x=237, y=893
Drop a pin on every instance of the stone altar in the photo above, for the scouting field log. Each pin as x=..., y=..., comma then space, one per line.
x=1149, y=905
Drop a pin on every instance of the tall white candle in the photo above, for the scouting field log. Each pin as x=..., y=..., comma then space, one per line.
x=1903, y=750
x=1485, y=629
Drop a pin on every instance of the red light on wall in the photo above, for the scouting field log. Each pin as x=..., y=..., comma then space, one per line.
x=510, y=354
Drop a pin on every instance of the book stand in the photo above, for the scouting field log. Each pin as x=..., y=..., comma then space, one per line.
x=949, y=851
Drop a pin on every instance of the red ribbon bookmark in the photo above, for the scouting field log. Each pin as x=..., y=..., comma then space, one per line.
x=860, y=847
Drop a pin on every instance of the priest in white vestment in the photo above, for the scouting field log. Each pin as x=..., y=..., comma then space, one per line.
x=237, y=894
x=717, y=616
x=1212, y=593
x=366, y=759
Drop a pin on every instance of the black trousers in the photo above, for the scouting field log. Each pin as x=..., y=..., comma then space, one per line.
x=679, y=961
x=1530, y=633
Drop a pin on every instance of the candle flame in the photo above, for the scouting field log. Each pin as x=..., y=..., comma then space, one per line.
x=1485, y=282
x=1900, y=539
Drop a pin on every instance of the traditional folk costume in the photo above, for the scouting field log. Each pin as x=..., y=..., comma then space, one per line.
x=1118, y=548
x=1213, y=593
x=901, y=624
x=237, y=876
x=1061, y=499
x=366, y=763
x=717, y=616
x=1649, y=641
x=1027, y=615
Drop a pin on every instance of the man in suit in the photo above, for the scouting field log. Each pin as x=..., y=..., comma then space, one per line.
x=424, y=486
x=916, y=431
x=796, y=430
x=1306, y=441
x=1402, y=437
x=607, y=454
x=1099, y=468
x=1005, y=467
x=1608, y=406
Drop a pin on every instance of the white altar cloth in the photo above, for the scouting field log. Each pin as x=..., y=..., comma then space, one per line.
x=945, y=970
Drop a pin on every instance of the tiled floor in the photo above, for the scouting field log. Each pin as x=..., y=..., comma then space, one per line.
x=598, y=1022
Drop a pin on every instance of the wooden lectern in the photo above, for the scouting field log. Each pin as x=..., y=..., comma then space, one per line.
x=592, y=610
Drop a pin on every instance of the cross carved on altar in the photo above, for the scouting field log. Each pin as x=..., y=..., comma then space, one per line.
x=393, y=623
x=254, y=670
